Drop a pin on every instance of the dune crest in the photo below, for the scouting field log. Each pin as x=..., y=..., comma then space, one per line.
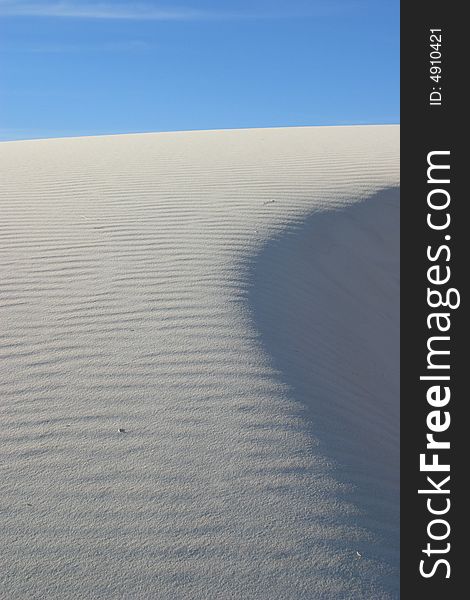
x=163, y=438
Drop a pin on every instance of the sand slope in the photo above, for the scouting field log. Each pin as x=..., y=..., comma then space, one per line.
x=230, y=299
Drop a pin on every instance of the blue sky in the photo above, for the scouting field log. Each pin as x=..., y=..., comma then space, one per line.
x=84, y=67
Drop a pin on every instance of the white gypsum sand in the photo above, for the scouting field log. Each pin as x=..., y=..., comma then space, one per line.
x=199, y=340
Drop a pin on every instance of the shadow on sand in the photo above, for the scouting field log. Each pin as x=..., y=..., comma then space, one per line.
x=324, y=298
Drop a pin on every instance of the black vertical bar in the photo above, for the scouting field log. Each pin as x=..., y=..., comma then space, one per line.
x=432, y=122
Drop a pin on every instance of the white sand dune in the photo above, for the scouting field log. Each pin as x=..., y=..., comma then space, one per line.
x=230, y=300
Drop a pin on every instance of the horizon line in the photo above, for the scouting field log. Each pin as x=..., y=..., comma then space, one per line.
x=131, y=133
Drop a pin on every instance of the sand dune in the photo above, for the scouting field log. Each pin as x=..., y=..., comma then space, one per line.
x=229, y=299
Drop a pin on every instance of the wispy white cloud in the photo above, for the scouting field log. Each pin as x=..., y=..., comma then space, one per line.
x=99, y=10
x=141, y=11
